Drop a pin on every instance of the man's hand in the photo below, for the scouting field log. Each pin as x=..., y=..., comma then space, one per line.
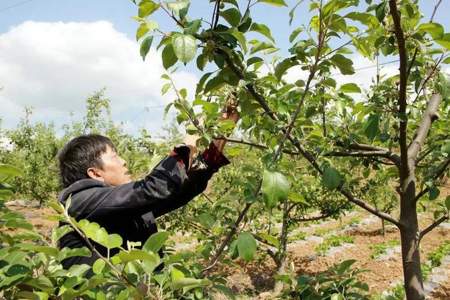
x=232, y=114
x=191, y=142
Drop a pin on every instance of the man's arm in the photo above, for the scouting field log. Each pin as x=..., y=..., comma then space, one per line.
x=170, y=185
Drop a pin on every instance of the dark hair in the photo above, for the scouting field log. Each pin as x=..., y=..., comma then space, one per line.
x=80, y=154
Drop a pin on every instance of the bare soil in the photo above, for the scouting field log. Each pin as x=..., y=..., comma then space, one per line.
x=257, y=277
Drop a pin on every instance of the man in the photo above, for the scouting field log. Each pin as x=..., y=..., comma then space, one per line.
x=99, y=184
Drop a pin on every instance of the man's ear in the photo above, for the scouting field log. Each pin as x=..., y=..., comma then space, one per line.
x=94, y=174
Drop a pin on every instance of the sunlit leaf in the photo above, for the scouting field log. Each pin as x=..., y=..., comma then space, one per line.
x=275, y=187
x=184, y=47
x=246, y=245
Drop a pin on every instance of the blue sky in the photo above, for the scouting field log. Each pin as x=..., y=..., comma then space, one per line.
x=57, y=52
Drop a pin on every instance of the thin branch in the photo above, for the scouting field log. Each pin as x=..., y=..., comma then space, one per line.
x=315, y=218
x=88, y=242
x=440, y=170
x=434, y=10
x=216, y=14
x=171, y=15
x=371, y=154
x=429, y=76
x=429, y=116
x=433, y=225
x=213, y=261
x=412, y=62
x=369, y=208
x=253, y=144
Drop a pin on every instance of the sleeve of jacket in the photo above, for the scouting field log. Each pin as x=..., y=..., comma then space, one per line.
x=170, y=185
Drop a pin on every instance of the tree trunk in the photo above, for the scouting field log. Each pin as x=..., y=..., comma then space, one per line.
x=383, y=230
x=409, y=234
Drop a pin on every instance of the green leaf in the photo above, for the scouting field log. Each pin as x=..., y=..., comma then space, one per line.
x=350, y=88
x=179, y=5
x=271, y=239
x=283, y=66
x=447, y=203
x=331, y=179
x=240, y=37
x=60, y=232
x=155, y=242
x=189, y=283
x=262, y=29
x=381, y=10
x=152, y=260
x=98, y=266
x=232, y=16
x=146, y=8
x=364, y=18
x=260, y=46
x=114, y=241
x=246, y=245
x=68, y=252
x=168, y=57
x=433, y=192
x=344, y=64
x=275, y=187
x=50, y=251
x=294, y=34
x=145, y=46
x=434, y=29
x=142, y=30
x=444, y=41
x=372, y=127
x=8, y=171
x=185, y=47
x=446, y=147
x=17, y=269
x=274, y=2
x=41, y=283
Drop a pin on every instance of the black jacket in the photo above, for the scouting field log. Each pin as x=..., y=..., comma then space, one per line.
x=130, y=209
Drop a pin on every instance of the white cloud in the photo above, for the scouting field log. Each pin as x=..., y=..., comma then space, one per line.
x=54, y=67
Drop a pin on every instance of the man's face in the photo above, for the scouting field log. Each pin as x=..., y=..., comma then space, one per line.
x=114, y=171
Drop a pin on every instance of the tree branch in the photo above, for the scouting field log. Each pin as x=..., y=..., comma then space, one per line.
x=429, y=116
x=429, y=76
x=375, y=153
x=369, y=208
x=402, y=104
x=440, y=170
x=433, y=225
x=213, y=261
x=259, y=146
x=434, y=10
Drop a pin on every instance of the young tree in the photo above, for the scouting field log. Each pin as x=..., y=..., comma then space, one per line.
x=395, y=127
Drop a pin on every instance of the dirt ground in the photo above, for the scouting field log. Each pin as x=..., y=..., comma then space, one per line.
x=257, y=277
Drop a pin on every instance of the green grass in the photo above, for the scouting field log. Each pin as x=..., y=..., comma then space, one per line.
x=300, y=235
x=437, y=255
x=333, y=241
x=380, y=249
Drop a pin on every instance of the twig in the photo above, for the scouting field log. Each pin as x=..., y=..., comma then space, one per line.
x=87, y=240
x=434, y=10
x=441, y=169
x=217, y=14
x=433, y=225
x=213, y=261
x=259, y=146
